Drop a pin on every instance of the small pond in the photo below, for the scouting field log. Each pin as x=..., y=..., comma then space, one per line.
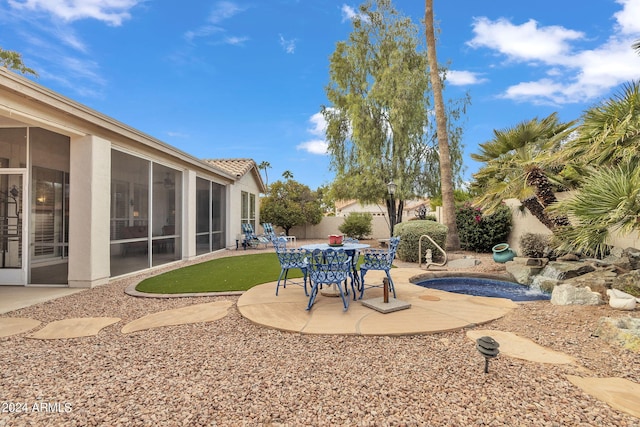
x=485, y=288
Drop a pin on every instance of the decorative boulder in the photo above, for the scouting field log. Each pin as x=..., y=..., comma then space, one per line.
x=570, y=295
x=566, y=270
x=625, y=332
x=628, y=283
x=621, y=300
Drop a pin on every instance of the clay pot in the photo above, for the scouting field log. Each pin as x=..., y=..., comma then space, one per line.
x=502, y=253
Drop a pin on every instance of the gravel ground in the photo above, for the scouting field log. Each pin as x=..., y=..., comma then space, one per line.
x=233, y=373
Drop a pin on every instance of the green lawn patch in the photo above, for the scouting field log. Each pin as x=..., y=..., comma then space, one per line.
x=235, y=273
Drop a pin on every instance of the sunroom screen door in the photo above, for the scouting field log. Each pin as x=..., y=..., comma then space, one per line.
x=12, y=243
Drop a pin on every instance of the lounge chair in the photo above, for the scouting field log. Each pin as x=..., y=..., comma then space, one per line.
x=251, y=239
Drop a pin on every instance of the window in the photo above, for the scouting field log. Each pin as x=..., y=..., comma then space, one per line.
x=248, y=209
x=146, y=213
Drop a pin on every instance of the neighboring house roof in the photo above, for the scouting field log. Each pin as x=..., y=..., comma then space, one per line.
x=239, y=168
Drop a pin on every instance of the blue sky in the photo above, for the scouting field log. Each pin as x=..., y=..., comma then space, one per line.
x=246, y=78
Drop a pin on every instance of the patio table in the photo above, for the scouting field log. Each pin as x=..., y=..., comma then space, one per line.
x=350, y=249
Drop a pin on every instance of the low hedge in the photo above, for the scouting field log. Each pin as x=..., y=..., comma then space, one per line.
x=410, y=232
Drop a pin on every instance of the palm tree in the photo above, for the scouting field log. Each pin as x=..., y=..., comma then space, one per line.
x=446, y=173
x=264, y=165
x=287, y=174
x=609, y=141
x=608, y=201
x=520, y=163
x=610, y=131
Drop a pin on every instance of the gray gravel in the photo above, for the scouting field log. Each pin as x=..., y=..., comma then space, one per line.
x=232, y=372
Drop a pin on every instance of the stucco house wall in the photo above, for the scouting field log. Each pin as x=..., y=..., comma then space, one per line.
x=92, y=139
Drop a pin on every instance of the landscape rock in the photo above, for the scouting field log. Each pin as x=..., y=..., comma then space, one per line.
x=598, y=281
x=625, y=332
x=628, y=282
x=563, y=270
x=569, y=257
x=621, y=300
x=570, y=295
x=522, y=273
x=623, y=262
x=546, y=284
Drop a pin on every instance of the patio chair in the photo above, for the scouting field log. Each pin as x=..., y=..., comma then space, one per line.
x=327, y=267
x=269, y=231
x=291, y=258
x=379, y=259
x=251, y=239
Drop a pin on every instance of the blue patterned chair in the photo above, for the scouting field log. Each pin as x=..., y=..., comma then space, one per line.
x=291, y=258
x=379, y=259
x=250, y=238
x=328, y=267
x=269, y=232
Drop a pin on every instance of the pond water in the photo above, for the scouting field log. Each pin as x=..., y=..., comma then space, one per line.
x=485, y=288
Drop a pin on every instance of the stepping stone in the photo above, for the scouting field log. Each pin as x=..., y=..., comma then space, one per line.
x=73, y=328
x=522, y=348
x=619, y=393
x=191, y=314
x=16, y=325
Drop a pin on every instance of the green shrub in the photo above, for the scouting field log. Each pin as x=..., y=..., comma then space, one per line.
x=357, y=225
x=410, y=232
x=480, y=232
x=534, y=245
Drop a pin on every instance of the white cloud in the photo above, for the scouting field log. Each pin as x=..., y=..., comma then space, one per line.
x=204, y=31
x=319, y=125
x=317, y=129
x=113, y=12
x=628, y=18
x=569, y=75
x=224, y=10
x=526, y=42
x=349, y=13
x=463, y=78
x=316, y=146
x=289, y=46
x=235, y=41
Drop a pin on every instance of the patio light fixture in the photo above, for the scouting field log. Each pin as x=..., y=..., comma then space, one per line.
x=391, y=188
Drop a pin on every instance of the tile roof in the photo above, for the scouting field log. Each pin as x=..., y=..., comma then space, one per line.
x=237, y=167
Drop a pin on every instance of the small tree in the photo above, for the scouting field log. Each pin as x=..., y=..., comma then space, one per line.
x=289, y=203
x=13, y=61
x=357, y=225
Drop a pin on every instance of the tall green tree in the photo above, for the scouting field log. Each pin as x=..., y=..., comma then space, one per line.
x=290, y=203
x=446, y=171
x=13, y=61
x=264, y=165
x=378, y=127
x=520, y=162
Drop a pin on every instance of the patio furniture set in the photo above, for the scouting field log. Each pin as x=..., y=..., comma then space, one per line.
x=335, y=265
